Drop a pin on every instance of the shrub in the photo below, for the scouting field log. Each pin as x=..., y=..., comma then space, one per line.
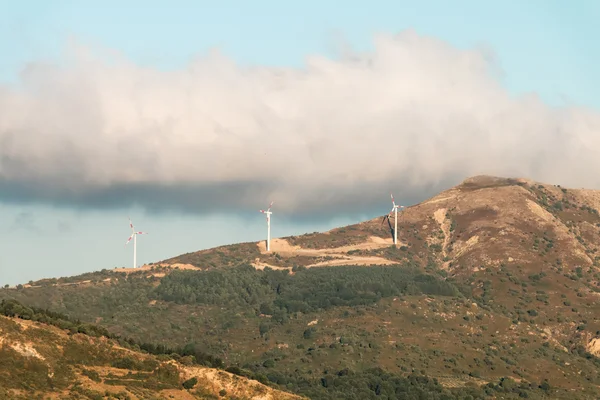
x=190, y=383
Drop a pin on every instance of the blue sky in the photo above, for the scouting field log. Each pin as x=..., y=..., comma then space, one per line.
x=547, y=47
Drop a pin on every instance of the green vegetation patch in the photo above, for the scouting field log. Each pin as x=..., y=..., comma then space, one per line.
x=306, y=290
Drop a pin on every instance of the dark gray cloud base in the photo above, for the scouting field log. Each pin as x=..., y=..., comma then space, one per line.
x=414, y=116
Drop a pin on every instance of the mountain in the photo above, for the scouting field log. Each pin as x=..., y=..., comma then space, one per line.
x=492, y=290
x=69, y=360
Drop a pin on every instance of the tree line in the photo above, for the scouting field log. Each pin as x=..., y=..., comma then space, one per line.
x=305, y=290
x=373, y=383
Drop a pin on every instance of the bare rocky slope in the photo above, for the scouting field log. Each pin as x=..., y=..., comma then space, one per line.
x=493, y=279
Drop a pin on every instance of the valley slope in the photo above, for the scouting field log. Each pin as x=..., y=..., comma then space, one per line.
x=493, y=288
x=64, y=359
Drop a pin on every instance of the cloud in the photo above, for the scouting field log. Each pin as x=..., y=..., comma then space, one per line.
x=413, y=116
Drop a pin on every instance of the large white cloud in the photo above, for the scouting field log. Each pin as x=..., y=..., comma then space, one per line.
x=414, y=114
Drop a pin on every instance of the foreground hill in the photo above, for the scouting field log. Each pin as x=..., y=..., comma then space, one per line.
x=492, y=290
x=38, y=360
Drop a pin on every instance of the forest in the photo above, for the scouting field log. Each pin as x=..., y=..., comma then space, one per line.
x=304, y=290
x=372, y=383
x=282, y=293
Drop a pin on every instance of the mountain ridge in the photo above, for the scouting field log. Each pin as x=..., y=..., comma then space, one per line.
x=493, y=279
x=372, y=237
x=437, y=208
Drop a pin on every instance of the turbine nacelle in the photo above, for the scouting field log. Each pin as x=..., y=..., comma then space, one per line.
x=394, y=205
x=133, y=232
x=394, y=208
x=268, y=211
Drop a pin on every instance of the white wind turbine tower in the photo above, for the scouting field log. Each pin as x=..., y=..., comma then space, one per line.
x=268, y=214
x=395, y=208
x=134, y=237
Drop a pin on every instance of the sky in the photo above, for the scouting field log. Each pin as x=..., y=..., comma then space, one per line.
x=190, y=116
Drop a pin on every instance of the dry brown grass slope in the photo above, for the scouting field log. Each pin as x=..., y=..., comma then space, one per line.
x=488, y=221
x=524, y=247
x=43, y=361
x=485, y=221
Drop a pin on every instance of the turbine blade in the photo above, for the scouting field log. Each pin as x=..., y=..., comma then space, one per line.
x=270, y=205
x=128, y=240
x=393, y=202
x=141, y=233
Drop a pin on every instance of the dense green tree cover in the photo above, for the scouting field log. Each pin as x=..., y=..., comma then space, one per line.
x=123, y=305
x=305, y=290
x=237, y=286
x=237, y=293
x=377, y=384
x=345, y=384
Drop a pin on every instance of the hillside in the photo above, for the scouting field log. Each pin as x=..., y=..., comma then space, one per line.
x=42, y=361
x=456, y=228
x=493, y=289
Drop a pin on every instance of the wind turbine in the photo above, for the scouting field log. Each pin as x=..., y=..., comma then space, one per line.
x=134, y=237
x=268, y=214
x=394, y=210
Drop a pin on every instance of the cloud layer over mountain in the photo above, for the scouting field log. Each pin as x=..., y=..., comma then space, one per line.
x=412, y=117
